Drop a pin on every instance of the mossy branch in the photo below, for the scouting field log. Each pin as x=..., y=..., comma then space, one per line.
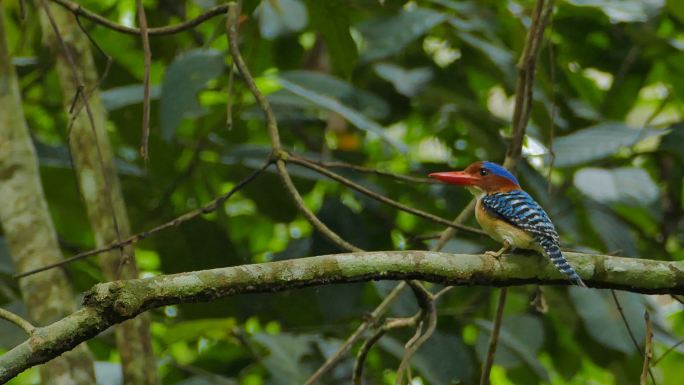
x=109, y=303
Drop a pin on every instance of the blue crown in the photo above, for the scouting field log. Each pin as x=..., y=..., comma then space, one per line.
x=500, y=171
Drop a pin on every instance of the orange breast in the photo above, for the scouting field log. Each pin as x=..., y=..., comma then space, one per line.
x=503, y=231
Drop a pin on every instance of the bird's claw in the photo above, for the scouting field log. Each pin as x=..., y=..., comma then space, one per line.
x=499, y=254
x=494, y=254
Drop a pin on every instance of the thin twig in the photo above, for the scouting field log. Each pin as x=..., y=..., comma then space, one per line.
x=78, y=10
x=668, y=351
x=624, y=320
x=308, y=214
x=526, y=69
x=209, y=207
x=384, y=306
x=232, y=22
x=441, y=292
x=648, y=350
x=231, y=77
x=321, y=170
x=554, y=109
x=494, y=338
x=22, y=10
x=521, y=116
x=356, y=335
x=147, y=55
x=677, y=299
x=85, y=97
x=15, y=319
x=450, y=232
x=629, y=328
x=357, y=372
x=272, y=127
x=428, y=308
x=390, y=324
x=229, y=97
x=370, y=170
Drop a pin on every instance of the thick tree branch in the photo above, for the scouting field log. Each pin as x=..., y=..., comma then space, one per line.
x=110, y=303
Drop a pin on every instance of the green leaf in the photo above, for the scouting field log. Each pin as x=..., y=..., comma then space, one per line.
x=443, y=359
x=387, y=36
x=603, y=321
x=429, y=360
x=280, y=17
x=676, y=8
x=354, y=117
x=185, y=77
x=58, y=156
x=500, y=56
x=623, y=11
x=673, y=142
x=123, y=96
x=520, y=338
x=331, y=19
x=630, y=185
x=597, y=142
x=191, y=330
x=406, y=82
x=286, y=351
x=365, y=102
x=614, y=233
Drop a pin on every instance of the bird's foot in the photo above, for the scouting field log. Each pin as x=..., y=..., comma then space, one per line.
x=498, y=254
x=494, y=254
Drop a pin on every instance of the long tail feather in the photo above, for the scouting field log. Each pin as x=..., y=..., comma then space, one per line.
x=553, y=251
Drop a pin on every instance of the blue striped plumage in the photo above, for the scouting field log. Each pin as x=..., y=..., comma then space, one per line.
x=517, y=208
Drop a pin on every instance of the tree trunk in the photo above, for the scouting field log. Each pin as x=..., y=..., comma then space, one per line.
x=98, y=181
x=29, y=230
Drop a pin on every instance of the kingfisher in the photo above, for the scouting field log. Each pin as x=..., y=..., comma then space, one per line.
x=509, y=214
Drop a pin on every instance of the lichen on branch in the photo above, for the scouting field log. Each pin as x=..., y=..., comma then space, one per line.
x=110, y=303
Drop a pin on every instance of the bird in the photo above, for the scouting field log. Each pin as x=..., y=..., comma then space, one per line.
x=510, y=215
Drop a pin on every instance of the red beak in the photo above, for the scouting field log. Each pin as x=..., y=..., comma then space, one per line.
x=455, y=177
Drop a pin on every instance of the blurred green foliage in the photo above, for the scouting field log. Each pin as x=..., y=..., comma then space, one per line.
x=408, y=87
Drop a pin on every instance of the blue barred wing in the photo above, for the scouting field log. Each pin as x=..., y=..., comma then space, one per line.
x=517, y=208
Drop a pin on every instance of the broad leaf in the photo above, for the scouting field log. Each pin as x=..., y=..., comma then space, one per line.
x=520, y=338
x=628, y=185
x=185, y=77
x=279, y=17
x=363, y=101
x=443, y=359
x=596, y=142
x=406, y=82
x=623, y=11
x=614, y=233
x=123, y=96
x=500, y=56
x=676, y=8
x=389, y=35
x=191, y=330
x=673, y=142
x=284, y=359
x=355, y=117
x=331, y=19
x=603, y=321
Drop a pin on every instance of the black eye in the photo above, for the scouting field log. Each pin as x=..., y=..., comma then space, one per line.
x=484, y=172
